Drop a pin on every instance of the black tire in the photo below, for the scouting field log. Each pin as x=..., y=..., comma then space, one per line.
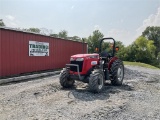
x=96, y=81
x=117, y=72
x=65, y=81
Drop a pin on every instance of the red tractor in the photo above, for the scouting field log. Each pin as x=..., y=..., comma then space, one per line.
x=94, y=69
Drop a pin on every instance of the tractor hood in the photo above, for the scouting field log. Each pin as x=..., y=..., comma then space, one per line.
x=84, y=55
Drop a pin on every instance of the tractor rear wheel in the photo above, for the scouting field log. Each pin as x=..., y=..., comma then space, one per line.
x=117, y=72
x=96, y=81
x=65, y=81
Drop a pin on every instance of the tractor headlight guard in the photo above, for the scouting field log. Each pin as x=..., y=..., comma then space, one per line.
x=79, y=59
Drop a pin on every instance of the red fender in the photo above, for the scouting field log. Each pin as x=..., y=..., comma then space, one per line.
x=111, y=61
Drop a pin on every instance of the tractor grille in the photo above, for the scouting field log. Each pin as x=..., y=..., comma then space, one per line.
x=74, y=68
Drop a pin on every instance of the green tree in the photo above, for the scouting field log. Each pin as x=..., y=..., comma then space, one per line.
x=76, y=38
x=35, y=30
x=158, y=60
x=84, y=40
x=93, y=41
x=119, y=44
x=121, y=53
x=2, y=23
x=54, y=35
x=63, y=34
x=153, y=33
x=144, y=50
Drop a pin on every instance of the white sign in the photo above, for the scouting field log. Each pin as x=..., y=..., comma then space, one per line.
x=38, y=48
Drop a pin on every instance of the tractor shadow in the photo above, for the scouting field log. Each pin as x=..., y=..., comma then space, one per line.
x=84, y=94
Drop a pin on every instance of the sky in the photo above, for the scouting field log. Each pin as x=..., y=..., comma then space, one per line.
x=124, y=20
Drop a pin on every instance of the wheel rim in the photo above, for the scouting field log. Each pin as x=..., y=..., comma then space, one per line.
x=120, y=73
x=100, y=82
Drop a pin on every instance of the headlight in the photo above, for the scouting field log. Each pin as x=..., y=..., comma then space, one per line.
x=79, y=59
x=71, y=59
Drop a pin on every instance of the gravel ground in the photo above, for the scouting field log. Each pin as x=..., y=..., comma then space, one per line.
x=44, y=99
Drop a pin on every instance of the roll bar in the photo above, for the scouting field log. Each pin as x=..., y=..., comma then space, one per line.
x=100, y=44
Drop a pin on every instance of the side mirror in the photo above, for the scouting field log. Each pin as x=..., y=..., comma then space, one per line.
x=117, y=49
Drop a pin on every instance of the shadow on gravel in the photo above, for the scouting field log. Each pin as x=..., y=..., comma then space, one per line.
x=84, y=94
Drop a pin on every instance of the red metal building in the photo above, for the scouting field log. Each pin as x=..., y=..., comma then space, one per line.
x=14, y=52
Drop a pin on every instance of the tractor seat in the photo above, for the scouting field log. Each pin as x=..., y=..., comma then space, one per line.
x=104, y=54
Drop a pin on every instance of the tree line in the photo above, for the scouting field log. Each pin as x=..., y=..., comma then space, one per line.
x=145, y=49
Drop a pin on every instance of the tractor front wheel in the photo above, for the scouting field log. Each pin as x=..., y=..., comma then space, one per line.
x=96, y=81
x=117, y=72
x=65, y=81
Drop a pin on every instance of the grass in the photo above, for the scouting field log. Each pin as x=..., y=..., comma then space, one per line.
x=140, y=64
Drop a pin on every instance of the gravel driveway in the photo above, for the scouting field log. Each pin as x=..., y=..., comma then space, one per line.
x=44, y=99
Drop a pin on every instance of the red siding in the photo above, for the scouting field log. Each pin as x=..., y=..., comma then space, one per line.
x=15, y=59
x=0, y=55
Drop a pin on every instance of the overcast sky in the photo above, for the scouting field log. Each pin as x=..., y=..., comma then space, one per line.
x=123, y=20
